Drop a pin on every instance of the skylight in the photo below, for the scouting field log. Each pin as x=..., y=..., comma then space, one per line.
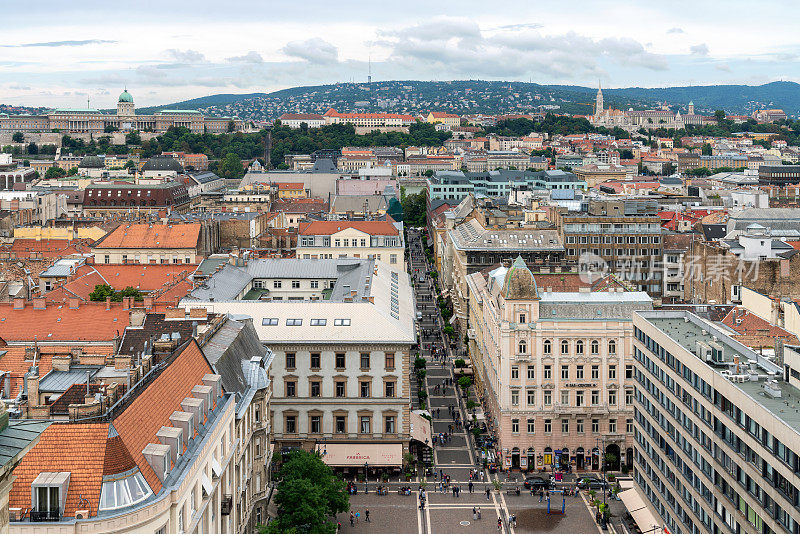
x=124, y=492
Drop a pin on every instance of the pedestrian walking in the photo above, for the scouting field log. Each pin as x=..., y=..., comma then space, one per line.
x=474, y=514
x=358, y=514
x=352, y=519
x=479, y=512
x=366, y=516
x=470, y=485
x=499, y=524
x=487, y=494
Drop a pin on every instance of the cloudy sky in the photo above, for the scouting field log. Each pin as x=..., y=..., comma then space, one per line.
x=59, y=53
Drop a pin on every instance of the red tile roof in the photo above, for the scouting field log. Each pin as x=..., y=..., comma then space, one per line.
x=138, y=423
x=332, y=227
x=754, y=331
x=159, y=236
x=49, y=248
x=290, y=185
x=89, y=322
x=75, y=448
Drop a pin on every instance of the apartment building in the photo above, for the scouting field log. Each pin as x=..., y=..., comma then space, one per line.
x=716, y=432
x=676, y=246
x=379, y=240
x=150, y=243
x=623, y=235
x=341, y=353
x=555, y=367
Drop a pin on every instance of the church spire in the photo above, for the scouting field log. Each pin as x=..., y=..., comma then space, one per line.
x=598, y=107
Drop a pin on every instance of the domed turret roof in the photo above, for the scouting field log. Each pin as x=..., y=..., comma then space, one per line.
x=162, y=163
x=519, y=283
x=126, y=97
x=91, y=162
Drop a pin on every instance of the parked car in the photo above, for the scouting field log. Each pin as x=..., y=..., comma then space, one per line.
x=537, y=483
x=592, y=482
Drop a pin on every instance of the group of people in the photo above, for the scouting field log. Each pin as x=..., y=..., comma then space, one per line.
x=354, y=517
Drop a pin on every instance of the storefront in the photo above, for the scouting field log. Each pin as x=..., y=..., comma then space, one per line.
x=645, y=518
x=353, y=457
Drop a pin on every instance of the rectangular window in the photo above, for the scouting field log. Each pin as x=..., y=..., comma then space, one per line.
x=340, y=360
x=390, y=386
x=531, y=372
x=341, y=424
x=315, y=360
x=393, y=259
x=595, y=372
x=628, y=397
x=341, y=322
x=612, y=426
x=548, y=397
x=314, y=284
x=364, y=389
x=295, y=284
x=319, y=322
x=276, y=284
x=365, y=361
x=548, y=426
x=531, y=426
x=531, y=397
x=565, y=426
x=595, y=425
x=612, y=397
x=316, y=388
x=366, y=424
x=291, y=388
x=629, y=371
x=565, y=372
x=291, y=424
x=389, y=424
x=522, y=318
x=579, y=426
x=579, y=398
x=612, y=372
x=565, y=398
x=514, y=372
x=548, y=372
x=340, y=386
x=515, y=426
x=579, y=372
x=290, y=360
x=389, y=359
x=316, y=424
x=294, y=322
x=629, y=426
x=595, y=397
x=514, y=397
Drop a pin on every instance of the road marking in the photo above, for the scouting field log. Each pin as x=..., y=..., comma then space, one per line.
x=428, y=519
x=419, y=520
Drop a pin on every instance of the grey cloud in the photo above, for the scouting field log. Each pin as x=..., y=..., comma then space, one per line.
x=186, y=56
x=55, y=44
x=314, y=50
x=18, y=87
x=723, y=67
x=517, y=27
x=250, y=57
x=675, y=30
x=699, y=49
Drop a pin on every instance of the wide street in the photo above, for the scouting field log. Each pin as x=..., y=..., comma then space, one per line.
x=444, y=511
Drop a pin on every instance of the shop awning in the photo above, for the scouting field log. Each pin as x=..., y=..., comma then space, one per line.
x=636, y=506
x=421, y=429
x=357, y=454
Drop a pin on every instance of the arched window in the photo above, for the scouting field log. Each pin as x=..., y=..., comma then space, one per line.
x=548, y=346
x=579, y=347
x=595, y=347
x=564, y=346
x=523, y=347
x=612, y=347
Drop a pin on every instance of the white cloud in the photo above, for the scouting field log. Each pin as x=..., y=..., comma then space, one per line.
x=186, y=56
x=675, y=30
x=250, y=57
x=699, y=49
x=314, y=50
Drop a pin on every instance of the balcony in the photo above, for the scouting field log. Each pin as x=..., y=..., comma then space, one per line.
x=45, y=516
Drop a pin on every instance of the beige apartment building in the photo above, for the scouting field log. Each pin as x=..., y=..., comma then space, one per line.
x=379, y=240
x=554, y=368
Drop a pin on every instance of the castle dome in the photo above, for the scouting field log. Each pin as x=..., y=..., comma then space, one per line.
x=91, y=162
x=162, y=163
x=519, y=283
x=126, y=97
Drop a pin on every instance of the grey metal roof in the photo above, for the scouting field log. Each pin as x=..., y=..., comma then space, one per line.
x=204, y=177
x=17, y=437
x=355, y=203
x=62, y=267
x=226, y=284
x=472, y=236
x=210, y=264
x=59, y=381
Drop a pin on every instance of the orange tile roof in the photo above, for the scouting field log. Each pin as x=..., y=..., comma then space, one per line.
x=138, y=423
x=145, y=277
x=118, y=458
x=49, y=248
x=331, y=227
x=290, y=185
x=14, y=363
x=75, y=448
x=159, y=236
x=90, y=322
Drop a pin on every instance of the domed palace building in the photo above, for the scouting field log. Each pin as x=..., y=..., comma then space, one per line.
x=76, y=120
x=553, y=360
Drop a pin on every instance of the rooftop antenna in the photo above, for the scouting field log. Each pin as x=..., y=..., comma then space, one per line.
x=87, y=102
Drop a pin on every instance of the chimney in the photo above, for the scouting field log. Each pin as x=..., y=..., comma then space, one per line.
x=148, y=302
x=108, y=303
x=198, y=313
x=19, y=304
x=194, y=407
x=74, y=303
x=205, y=394
x=39, y=304
x=33, y=390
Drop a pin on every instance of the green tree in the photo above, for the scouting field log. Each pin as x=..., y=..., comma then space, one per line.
x=231, y=126
x=719, y=115
x=73, y=171
x=668, y=169
x=464, y=383
x=54, y=172
x=308, y=497
x=625, y=154
x=18, y=137
x=130, y=165
x=415, y=209
x=101, y=293
x=230, y=166
x=133, y=138
x=706, y=149
x=33, y=149
x=110, y=129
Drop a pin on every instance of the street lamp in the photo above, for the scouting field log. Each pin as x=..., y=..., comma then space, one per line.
x=366, y=476
x=602, y=451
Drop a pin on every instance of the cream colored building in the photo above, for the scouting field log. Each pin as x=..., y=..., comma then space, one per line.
x=555, y=368
x=379, y=240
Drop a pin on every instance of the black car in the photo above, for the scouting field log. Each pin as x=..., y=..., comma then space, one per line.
x=592, y=483
x=537, y=483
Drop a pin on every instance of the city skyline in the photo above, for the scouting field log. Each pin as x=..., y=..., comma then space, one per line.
x=54, y=56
